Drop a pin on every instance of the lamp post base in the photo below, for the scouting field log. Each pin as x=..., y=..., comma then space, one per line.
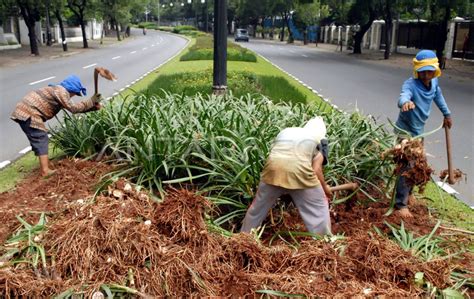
x=219, y=90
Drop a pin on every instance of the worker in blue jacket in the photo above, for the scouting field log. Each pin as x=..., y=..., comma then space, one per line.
x=418, y=94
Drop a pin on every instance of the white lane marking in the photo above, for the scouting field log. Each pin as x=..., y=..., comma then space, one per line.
x=153, y=45
x=25, y=150
x=88, y=66
x=4, y=163
x=116, y=57
x=304, y=55
x=291, y=51
x=144, y=48
x=447, y=188
x=133, y=52
x=45, y=79
x=430, y=155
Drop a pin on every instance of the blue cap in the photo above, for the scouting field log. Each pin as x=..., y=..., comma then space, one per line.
x=73, y=84
x=426, y=54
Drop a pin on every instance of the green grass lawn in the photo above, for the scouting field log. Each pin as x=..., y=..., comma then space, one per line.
x=260, y=68
x=21, y=168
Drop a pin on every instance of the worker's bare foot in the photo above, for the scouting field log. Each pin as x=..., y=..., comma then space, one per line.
x=47, y=173
x=405, y=213
x=411, y=199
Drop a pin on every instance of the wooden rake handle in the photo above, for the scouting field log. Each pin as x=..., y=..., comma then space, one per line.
x=348, y=186
x=450, y=162
x=96, y=81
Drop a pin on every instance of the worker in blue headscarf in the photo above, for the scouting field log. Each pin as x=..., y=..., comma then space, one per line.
x=40, y=105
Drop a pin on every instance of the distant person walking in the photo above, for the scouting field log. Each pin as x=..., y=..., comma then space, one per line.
x=418, y=94
x=40, y=105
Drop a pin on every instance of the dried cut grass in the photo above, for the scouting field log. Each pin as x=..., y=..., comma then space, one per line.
x=410, y=159
x=126, y=238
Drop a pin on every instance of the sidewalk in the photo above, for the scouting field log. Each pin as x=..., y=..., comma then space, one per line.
x=461, y=70
x=21, y=56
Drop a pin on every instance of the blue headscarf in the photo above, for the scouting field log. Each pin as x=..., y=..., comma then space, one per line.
x=73, y=84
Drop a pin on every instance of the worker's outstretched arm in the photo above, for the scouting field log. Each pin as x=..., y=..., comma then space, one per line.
x=318, y=170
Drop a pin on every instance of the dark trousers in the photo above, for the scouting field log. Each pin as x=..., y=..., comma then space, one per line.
x=38, y=138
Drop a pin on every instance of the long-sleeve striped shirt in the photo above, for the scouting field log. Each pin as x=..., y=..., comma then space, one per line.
x=43, y=104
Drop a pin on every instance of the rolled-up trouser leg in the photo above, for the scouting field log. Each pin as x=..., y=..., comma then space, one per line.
x=264, y=200
x=314, y=209
x=403, y=190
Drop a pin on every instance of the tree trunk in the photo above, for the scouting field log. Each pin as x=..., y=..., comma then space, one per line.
x=282, y=36
x=443, y=33
x=49, y=38
x=33, y=41
x=305, y=36
x=118, y=30
x=363, y=29
x=61, y=27
x=84, y=36
x=290, y=33
x=31, y=24
x=388, y=29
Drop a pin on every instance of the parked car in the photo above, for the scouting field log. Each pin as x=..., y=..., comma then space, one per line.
x=241, y=35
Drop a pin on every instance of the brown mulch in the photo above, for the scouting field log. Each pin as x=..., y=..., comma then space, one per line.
x=165, y=249
x=74, y=180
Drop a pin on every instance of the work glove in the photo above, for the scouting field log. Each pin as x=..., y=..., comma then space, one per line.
x=97, y=98
x=447, y=122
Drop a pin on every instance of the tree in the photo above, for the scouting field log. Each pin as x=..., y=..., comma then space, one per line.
x=362, y=13
x=251, y=12
x=307, y=14
x=59, y=6
x=284, y=8
x=388, y=10
x=78, y=8
x=442, y=11
x=338, y=11
x=30, y=11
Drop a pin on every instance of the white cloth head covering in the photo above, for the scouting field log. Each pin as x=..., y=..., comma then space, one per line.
x=316, y=128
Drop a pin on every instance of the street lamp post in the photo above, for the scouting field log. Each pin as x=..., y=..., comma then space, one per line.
x=158, y=13
x=220, y=47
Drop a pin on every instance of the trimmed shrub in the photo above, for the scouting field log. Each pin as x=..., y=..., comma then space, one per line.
x=232, y=55
x=240, y=83
x=178, y=29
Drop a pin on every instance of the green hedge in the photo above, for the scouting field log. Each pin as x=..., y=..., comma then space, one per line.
x=203, y=49
x=166, y=28
x=148, y=25
x=240, y=83
x=192, y=33
x=178, y=29
x=232, y=55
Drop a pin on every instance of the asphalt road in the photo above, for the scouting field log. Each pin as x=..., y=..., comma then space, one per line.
x=128, y=61
x=374, y=89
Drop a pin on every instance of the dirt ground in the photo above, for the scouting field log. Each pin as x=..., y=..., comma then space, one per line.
x=74, y=180
x=166, y=249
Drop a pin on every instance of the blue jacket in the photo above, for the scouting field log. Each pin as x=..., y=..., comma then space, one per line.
x=413, y=121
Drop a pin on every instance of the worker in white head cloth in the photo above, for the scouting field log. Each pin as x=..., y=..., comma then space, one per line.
x=294, y=167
